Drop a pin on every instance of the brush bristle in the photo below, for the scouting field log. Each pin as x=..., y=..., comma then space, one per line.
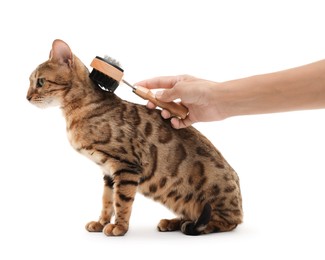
x=111, y=61
x=104, y=81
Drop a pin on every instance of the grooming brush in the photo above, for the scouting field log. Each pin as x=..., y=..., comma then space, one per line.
x=108, y=75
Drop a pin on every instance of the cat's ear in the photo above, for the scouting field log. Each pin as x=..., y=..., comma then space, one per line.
x=61, y=53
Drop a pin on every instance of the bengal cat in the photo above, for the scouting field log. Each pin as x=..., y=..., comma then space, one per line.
x=138, y=150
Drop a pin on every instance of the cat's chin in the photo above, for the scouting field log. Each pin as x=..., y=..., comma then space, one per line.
x=42, y=106
x=47, y=104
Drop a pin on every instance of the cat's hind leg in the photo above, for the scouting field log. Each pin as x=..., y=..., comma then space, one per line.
x=194, y=228
x=220, y=224
x=188, y=227
x=208, y=222
x=107, y=207
x=169, y=224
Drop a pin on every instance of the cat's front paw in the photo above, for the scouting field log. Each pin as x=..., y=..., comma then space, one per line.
x=94, y=226
x=115, y=230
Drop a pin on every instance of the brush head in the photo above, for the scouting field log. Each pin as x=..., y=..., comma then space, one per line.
x=106, y=73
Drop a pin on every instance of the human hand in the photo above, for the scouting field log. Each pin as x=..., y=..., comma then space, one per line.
x=196, y=94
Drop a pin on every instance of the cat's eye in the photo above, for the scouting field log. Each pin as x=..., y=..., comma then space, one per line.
x=40, y=82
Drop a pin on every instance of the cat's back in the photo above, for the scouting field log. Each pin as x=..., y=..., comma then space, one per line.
x=187, y=141
x=176, y=152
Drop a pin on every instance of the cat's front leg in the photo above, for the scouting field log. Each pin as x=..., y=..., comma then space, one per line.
x=125, y=187
x=107, y=207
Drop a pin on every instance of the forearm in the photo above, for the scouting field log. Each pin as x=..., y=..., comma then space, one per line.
x=299, y=88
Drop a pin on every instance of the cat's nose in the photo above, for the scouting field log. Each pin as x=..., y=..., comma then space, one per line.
x=29, y=98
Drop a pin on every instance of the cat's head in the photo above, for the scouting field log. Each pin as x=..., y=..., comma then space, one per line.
x=51, y=80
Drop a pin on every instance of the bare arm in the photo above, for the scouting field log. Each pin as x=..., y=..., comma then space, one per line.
x=298, y=88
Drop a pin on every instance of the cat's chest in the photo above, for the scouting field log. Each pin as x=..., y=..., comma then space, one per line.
x=80, y=143
x=84, y=145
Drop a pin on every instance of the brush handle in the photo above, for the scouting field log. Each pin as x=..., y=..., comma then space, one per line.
x=174, y=108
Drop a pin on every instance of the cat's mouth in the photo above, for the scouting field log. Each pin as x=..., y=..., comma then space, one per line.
x=41, y=102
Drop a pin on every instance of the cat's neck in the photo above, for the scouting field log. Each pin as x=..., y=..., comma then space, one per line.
x=84, y=92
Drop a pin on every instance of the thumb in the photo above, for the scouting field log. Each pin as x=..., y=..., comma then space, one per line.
x=167, y=95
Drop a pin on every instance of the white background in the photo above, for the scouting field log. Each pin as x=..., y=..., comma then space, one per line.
x=48, y=192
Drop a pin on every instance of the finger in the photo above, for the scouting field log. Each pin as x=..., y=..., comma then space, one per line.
x=167, y=95
x=165, y=114
x=158, y=82
x=151, y=105
x=180, y=123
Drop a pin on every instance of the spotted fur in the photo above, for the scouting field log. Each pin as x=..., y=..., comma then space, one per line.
x=138, y=151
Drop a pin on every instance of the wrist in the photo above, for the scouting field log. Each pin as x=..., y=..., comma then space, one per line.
x=237, y=97
x=218, y=97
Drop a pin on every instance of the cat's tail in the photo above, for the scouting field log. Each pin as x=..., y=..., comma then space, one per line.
x=195, y=228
